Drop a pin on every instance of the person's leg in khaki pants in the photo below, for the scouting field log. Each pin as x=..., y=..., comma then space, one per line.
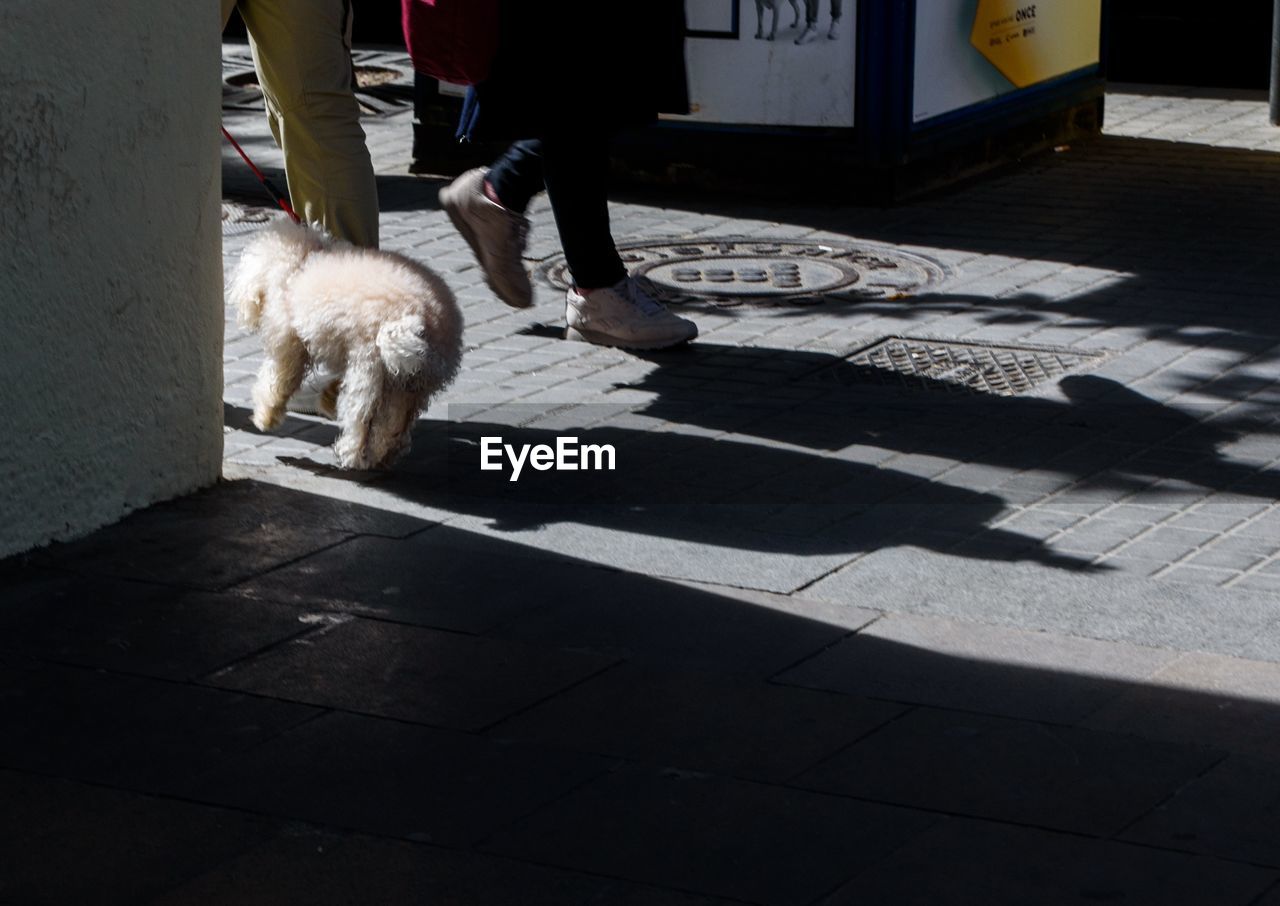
x=302, y=52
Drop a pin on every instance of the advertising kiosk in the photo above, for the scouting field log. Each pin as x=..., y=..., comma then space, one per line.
x=878, y=99
x=886, y=96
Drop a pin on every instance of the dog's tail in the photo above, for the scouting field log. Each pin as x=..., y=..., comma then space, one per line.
x=407, y=354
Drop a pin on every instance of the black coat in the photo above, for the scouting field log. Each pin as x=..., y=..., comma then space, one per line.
x=563, y=64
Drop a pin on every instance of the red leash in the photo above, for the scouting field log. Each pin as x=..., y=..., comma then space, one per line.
x=279, y=197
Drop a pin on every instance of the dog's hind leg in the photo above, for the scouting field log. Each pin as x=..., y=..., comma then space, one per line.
x=279, y=377
x=392, y=428
x=359, y=403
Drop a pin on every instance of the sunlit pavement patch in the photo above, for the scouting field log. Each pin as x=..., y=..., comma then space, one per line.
x=384, y=81
x=727, y=271
x=241, y=218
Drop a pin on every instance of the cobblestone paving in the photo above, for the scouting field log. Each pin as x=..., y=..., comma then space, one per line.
x=1148, y=246
x=827, y=636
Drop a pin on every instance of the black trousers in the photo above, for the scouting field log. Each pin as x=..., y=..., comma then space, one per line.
x=574, y=170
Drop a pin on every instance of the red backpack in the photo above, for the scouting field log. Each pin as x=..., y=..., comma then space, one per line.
x=451, y=40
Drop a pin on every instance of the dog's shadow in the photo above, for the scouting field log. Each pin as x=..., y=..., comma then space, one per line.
x=313, y=430
x=320, y=431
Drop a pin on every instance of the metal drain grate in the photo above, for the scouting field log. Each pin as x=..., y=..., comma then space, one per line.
x=958, y=367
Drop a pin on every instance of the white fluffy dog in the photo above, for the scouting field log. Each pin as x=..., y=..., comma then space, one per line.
x=388, y=325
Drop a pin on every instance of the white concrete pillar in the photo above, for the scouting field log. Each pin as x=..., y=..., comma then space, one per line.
x=111, y=312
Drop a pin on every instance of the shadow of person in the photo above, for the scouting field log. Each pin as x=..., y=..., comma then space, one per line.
x=1181, y=449
x=1103, y=434
x=695, y=489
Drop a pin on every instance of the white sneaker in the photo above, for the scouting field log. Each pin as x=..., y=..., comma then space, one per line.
x=625, y=315
x=810, y=32
x=496, y=235
x=834, y=32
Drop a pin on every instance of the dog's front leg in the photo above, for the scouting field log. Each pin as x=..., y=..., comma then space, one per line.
x=278, y=379
x=392, y=428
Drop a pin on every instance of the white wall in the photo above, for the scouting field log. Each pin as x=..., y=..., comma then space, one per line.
x=110, y=261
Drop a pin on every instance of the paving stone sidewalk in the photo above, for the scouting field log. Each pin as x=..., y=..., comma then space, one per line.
x=829, y=635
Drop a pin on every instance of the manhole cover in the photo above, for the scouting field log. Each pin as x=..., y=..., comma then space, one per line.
x=736, y=270
x=384, y=81
x=963, y=367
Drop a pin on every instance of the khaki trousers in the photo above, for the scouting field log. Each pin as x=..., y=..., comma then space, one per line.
x=302, y=52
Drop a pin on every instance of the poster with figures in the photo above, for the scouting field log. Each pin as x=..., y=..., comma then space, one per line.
x=772, y=62
x=969, y=51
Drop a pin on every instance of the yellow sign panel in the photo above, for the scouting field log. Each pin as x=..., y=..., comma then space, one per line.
x=1030, y=42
